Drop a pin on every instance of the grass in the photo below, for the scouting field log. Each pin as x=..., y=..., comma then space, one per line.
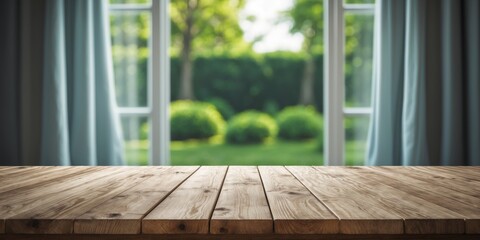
x=217, y=153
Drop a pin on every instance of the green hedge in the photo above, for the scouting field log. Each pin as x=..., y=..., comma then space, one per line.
x=264, y=83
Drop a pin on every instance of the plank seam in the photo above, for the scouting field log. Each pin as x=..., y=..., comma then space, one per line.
x=266, y=197
x=392, y=178
x=216, y=200
x=361, y=176
x=75, y=219
x=83, y=174
x=308, y=189
x=161, y=200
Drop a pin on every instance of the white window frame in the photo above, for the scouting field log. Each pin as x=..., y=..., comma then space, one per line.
x=158, y=81
x=334, y=79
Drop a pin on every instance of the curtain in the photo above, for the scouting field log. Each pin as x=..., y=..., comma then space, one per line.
x=79, y=122
x=426, y=92
x=9, y=149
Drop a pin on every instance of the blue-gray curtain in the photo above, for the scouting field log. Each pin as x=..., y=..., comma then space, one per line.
x=426, y=93
x=79, y=123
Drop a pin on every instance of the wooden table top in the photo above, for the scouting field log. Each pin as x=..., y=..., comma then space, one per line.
x=227, y=201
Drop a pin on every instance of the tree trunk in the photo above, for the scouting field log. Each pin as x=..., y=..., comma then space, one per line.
x=307, y=96
x=186, y=83
x=186, y=74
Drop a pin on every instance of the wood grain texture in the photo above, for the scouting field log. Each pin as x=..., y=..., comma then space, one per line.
x=458, y=181
x=294, y=209
x=442, y=188
x=122, y=214
x=359, y=212
x=242, y=206
x=420, y=216
x=57, y=215
x=188, y=209
x=26, y=198
x=240, y=202
x=41, y=177
x=242, y=237
x=471, y=172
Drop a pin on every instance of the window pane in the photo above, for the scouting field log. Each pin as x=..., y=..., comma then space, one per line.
x=244, y=56
x=359, y=1
x=129, y=1
x=135, y=134
x=130, y=32
x=358, y=59
x=356, y=130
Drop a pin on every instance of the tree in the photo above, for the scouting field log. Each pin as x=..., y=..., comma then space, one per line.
x=206, y=26
x=307, y=18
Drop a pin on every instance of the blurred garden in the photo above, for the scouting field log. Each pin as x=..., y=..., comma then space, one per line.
x=231, y=103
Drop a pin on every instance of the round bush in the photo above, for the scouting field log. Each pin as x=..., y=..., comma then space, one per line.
x=223, y=107
x=299, y=122
x=251, y=127
x=194, y=120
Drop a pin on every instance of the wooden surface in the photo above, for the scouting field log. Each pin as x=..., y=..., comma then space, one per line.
x=260, y=202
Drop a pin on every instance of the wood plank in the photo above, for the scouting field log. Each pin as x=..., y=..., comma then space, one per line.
x=294, y=209
x=26, y=198
x=8, y=172
x=463, y=204
x=187, y=209
x=450, y=181
x=242, y=206
x=359, y=211
x=456, y=195
x=473, y=172
x=122, y=214
x=452, y=175
x=56, y=216
x=420, y=216
x=39, y=178
x=241, y=237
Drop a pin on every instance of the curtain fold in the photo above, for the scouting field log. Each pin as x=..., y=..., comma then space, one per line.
x=79, y=122
x=426, y=89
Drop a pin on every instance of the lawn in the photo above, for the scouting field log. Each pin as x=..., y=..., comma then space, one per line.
x=273, y=153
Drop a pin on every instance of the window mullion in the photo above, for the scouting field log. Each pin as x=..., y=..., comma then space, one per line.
x=160, y=84
x=334, y=83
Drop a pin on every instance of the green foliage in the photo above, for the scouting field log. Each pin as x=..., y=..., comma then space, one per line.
x=271, y=107
x=214, y=26
x=250, y=127
x=299, y=122
x=307, y=17
x=129, y=37
x=194, y=120
x=320, y=144
x=144, y=131
x=251, y=82
x=223, y=107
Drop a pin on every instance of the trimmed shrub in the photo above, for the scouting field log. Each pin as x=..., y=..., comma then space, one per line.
x=251, y=127
x=194, y=120
x=223, y=107
x=299, y=122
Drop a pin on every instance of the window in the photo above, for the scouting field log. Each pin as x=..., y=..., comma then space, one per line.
x=348, y=74
x=140, y=32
